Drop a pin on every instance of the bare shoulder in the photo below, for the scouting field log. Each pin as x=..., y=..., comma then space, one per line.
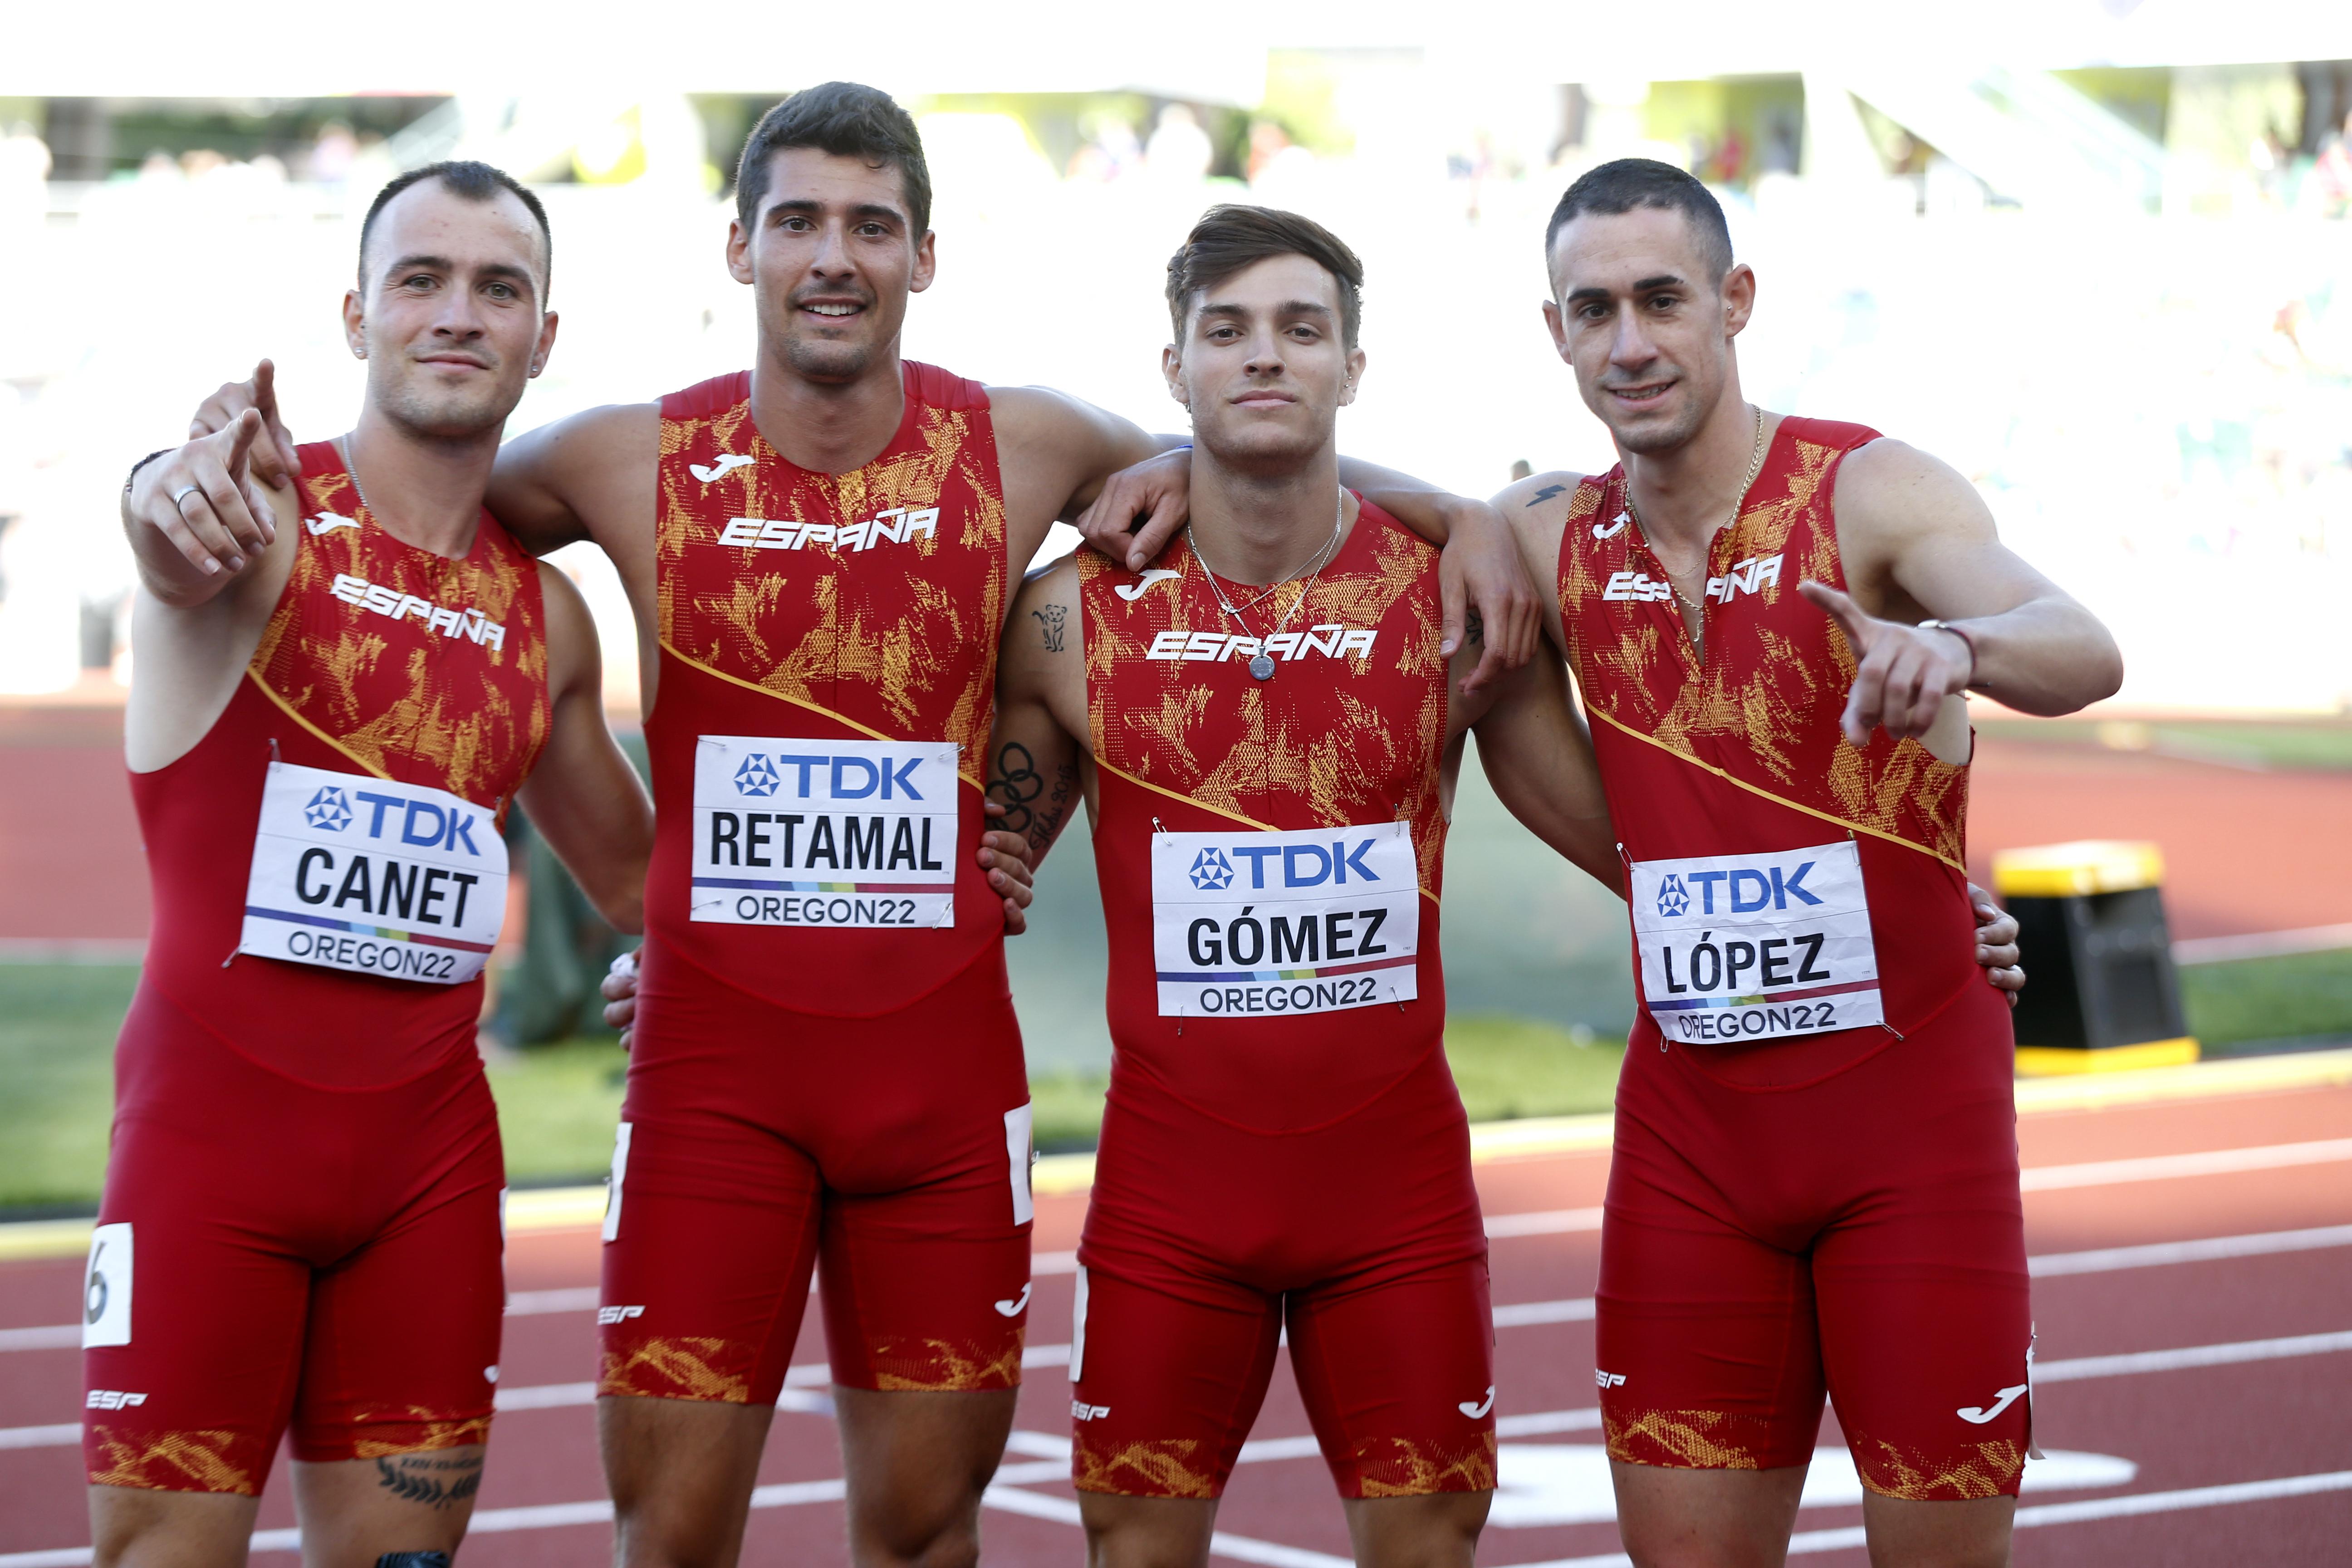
x=571, y=629
x=1032, y=413
x=1537, y=508
x=1056, y=583
x=1892, y=491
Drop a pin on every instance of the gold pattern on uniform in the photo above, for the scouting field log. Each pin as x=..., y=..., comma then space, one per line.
x=173, y=1461
x=1988, y=1470
x=1685, y=1439
x=1400, y=1467
x=389, y=697
x=418, y=1433
x=1232, y=752
x=674, y=1368
x=1755, y=698
x=1164, y=1467
x=928, y=1366
x=779, y=620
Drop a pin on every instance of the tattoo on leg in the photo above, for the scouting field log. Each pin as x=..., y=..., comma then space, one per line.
x=1049, y=621
x=1016, y=784
x=434, y=1481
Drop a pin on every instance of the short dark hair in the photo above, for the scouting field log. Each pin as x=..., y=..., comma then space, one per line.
x=849, y=120
x=1232, y=239
x=472, y=181
x=1619, y=186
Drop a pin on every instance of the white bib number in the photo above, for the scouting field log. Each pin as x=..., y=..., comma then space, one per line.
x=1756, y=947
x=825, y=833
x=355, y=873
x=1260, y=924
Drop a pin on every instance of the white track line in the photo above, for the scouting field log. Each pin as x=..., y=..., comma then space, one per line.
x=2105, y=1259
x=1806, y=1542
x=2206, y=1163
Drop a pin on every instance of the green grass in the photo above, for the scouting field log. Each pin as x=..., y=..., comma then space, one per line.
x=58, y=1024
x=556, y=1104
x=2314, y=744
x=2303, y=996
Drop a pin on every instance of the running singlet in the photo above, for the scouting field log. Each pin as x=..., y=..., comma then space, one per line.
x=396, y=702
x=828, y=670
x=1270, y=850
x=1784, y=883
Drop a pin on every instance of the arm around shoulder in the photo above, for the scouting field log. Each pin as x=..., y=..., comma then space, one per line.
x=581, y=478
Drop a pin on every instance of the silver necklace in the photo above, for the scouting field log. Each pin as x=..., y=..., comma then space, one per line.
x=1261, y=665
x=1755, y=465
x=343, y=444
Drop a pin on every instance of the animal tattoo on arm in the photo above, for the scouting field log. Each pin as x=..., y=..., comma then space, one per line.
x=1050, y=621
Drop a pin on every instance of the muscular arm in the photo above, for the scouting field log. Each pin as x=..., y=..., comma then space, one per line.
x=582, y=796
x=1539, y=757
x=1918, y=541
x=1035, y=759
x=1056, y=453
x=588, y=476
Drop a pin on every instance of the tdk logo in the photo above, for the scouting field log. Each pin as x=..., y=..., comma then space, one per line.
x=1673, y=899
x=845, y=778
x=757, y=776
x=1211, y=872
x=330, y=809
x=1299, y=865
x=1746, y=890
x=444, y=827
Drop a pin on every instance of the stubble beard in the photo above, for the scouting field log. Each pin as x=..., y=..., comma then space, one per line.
x=448, y=416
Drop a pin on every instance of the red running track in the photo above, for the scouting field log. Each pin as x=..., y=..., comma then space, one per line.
x=2273, y=1407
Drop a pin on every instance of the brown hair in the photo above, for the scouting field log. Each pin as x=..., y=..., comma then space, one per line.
x=1617, y=188
x=847, y=120
x=1229, y=239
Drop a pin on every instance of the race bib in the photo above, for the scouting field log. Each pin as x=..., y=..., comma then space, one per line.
x=375, y=878
x=1253, y=924
x=824, y=832
x=1756, y=947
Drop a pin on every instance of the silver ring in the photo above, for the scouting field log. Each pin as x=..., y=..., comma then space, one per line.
x=183, y=493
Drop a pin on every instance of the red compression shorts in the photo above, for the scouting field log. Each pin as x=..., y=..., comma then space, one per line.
x=329, y=1258
x=1202, y=1239
x=1858, y=1233
x=756, y=1139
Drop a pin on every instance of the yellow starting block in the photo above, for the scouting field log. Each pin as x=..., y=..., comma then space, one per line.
x=2102, y=992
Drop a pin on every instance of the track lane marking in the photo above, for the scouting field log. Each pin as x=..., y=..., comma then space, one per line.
x=2205, y=1162
x=2104, y=1260
x=1806, y=1542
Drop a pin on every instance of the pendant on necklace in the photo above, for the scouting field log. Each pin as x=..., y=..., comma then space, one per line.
x=1261, y=666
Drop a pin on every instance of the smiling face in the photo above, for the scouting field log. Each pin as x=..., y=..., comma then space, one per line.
x=1263, y=365
x=832, y=255
x=449, y=313
x=1637, y=312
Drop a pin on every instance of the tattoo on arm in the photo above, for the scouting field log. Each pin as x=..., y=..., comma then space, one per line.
x=437, y=1480
x=1050, y=621
x=1016, y=784
x=1054, y=814
x=1546, y=494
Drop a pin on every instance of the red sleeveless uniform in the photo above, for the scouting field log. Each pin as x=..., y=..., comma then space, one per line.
x=825, y=1056
x=1795, y=1205
x=305, y=1180
x=1269, y=854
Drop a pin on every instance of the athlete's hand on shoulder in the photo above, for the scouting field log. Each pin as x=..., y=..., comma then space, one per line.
x=1905, y=672
x=620, y=993
x=1997, y=943
x=1485, y=595
x=1004, y=856
x=204, y=498
x=1141, y=509
x=275, y=459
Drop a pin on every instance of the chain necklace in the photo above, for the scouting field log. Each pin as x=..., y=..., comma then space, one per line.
x=1261, y=664
x=343, y=444
x=1755, y=465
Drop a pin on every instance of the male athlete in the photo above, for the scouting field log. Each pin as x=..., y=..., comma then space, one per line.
x=826, y=1060
x=1815, y=1182
x=1267, y=737
x=342, y=687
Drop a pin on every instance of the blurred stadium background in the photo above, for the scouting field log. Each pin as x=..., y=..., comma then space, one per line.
x=2096, y=254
